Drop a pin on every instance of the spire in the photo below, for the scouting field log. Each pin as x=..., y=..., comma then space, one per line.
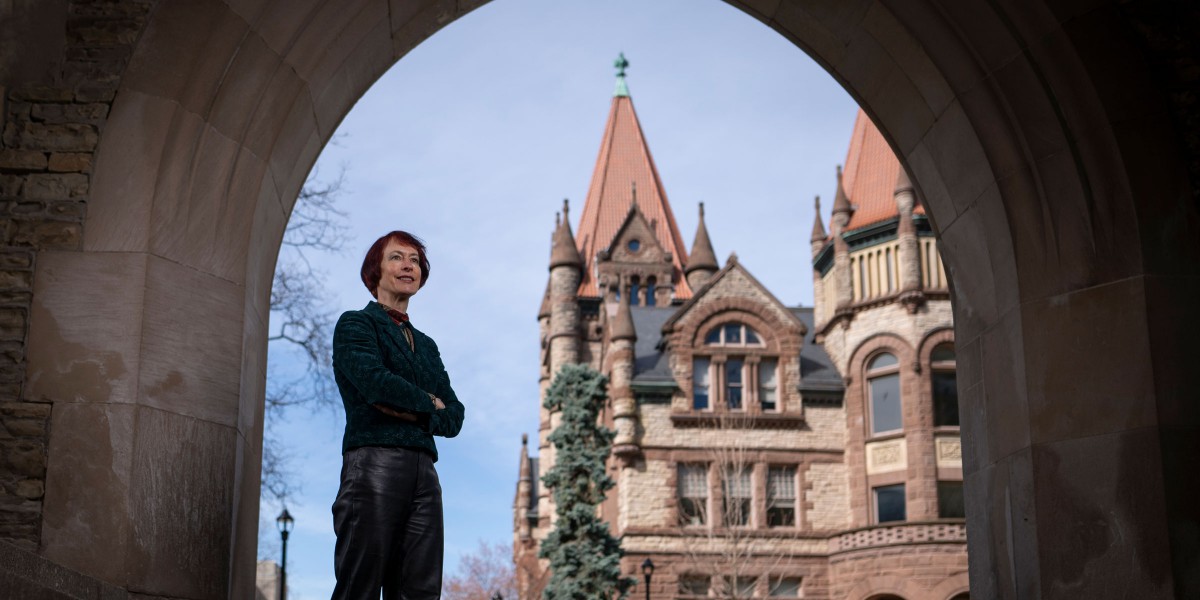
x=702, y=256
x=622, y=327
x=524, y=468
x=818, y=232
x=562, y=246
x=625, y=162
x=621, y=64
x=841, y=204
x=872, y=176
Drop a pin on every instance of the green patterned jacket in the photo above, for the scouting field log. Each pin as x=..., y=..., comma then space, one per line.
x=373, y=365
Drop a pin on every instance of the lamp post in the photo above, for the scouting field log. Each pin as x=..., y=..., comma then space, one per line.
x=648, y=572
x=284, y=522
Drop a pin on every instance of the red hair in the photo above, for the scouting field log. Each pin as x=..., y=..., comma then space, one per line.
x=372, y=267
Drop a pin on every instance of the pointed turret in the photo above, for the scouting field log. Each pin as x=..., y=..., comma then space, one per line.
x=623, y=165
x=844, y=285
x=562, y=246
x=841, y=206
x=702, y=262
x=907, y=252
x=622, y=325
x=818, y=233
x=565, y=273
x=522, y=502
x=623, y=337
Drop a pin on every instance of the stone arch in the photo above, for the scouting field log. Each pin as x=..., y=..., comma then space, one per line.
x=1041, y=137
x=769, y=330
x=931, y=340
x=881, y=587
x=954, y=587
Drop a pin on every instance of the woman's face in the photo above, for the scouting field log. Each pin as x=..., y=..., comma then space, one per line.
x=400, y=275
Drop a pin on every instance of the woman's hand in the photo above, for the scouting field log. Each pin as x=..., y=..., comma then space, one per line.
x=438, y=404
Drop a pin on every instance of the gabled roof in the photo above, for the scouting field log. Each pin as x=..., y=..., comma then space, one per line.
x=731, y=266
x=625, y=164
x=869, y=176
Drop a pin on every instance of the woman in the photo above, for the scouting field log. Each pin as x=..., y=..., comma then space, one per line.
x=388, y=512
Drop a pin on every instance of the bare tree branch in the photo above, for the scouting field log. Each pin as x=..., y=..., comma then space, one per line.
x=729, y=556
x=302, y=325
x=482, y=574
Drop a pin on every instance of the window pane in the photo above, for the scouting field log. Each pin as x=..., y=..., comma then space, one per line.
x=733, y=383
x=883, y=360
x=733, y=333
x=751, y=337
x=633, y=294
x=693, y=493
x=713, y=337
x=693, y=585
x=885, y=403
x=650, y=294
x=767, y=386
x=943, y=353
x=950, y=500
x=945, y=398
x=693, y=480
x=736, y=488
x=889, y=503
x=737, y=587
x=785, y=587
x=700, y=383
x=781, y=496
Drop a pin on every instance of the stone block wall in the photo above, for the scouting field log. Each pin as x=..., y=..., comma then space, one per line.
x=827, y=496
x=50, y=131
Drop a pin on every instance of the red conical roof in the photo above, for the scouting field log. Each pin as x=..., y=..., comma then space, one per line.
x=870, y=176
x=624, y=162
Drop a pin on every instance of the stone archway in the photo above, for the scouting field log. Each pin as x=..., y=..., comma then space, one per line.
x=1043, y=139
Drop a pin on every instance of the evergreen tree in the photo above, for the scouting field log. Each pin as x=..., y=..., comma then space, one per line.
x=584, y=556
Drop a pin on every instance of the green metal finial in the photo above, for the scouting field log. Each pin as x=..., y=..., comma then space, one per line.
x=621, y=64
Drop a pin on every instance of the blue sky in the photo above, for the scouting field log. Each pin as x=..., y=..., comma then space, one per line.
x=473, y=140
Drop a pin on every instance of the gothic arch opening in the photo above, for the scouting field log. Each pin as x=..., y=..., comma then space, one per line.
x=1041, y=138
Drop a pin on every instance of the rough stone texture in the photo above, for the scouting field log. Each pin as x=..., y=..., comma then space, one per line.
x=49, y=135
x=827, y=496
x=27, y=576
x=927, y=571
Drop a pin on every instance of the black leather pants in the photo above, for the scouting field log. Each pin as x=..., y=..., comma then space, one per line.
x=388, y=520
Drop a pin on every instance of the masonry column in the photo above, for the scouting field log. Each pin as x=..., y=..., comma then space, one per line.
x=841, y=257
x=624, y=336
x=909, y=255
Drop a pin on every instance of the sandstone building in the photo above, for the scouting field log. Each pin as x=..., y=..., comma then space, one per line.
x=762, y=450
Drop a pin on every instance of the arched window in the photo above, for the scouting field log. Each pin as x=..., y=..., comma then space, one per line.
x=651, y=283
x=945, y=385
x=883, y=383
x=732, y=334
x=634, y=288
